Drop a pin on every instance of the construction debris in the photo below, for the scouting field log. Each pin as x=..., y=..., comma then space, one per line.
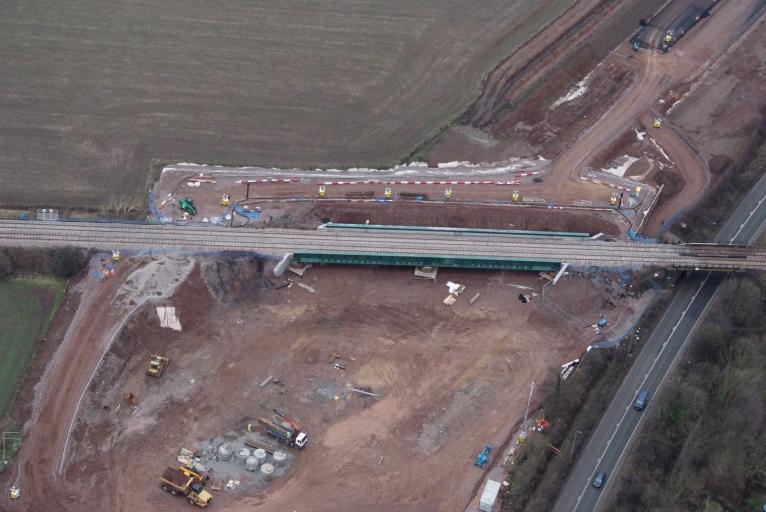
x=362, y=392
x=255, y=443
x=305, y=286
x=299, y=269
x=426, y=272
x=186, y=457
x=455, y=289
x=130, y=398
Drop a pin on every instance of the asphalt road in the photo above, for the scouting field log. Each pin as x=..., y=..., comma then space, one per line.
x=612, y=438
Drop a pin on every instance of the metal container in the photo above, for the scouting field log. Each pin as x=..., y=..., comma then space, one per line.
x=267, y=471
x=242, y=455
x=280, y=458
x=251, y=464
x=260, y=454
x=225, y=452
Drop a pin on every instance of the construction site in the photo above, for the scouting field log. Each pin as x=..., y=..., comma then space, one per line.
x=369, y=363
x=237, y=380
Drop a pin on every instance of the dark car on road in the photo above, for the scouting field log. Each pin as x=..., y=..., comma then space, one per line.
x=599, y=480
x=640, y=402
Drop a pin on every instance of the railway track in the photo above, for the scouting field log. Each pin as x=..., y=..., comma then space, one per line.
x=195, y=238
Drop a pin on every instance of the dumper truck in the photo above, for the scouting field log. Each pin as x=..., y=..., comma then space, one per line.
x=157, y=365
x=286, y=432
x=187, y=485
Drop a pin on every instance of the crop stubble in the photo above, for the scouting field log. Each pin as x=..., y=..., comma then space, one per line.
x=91, y=92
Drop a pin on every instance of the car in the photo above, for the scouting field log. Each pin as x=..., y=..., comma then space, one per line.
x=641, y=399
x=598, y=481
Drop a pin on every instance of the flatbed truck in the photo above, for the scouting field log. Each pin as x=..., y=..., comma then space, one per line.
x=285, y=432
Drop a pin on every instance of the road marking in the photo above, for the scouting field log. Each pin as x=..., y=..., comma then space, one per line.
x=641, y=418
x=741, y=226
x=614, y=433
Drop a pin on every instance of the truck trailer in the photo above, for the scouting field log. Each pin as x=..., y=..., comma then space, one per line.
x=286, y=432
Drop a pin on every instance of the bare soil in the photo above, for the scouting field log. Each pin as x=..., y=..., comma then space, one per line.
x=112, y=87
x=397, y=340
x=472, y=216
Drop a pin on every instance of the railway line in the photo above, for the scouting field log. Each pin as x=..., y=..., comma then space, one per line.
x=339, y=244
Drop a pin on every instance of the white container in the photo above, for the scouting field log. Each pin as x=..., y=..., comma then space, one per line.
x=267, y=471
x=279, y=457
x=260, y=454
x=251, y=464
x=225, y=452
x=488, y=497
x=242, y=455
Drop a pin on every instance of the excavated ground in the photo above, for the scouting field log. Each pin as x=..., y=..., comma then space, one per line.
x=438, y=371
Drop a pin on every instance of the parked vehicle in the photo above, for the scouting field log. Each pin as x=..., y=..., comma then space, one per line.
x=187, y=484
x=285, y=432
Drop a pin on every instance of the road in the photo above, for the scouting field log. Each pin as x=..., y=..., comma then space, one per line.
x=612, y=438
x=477, y=250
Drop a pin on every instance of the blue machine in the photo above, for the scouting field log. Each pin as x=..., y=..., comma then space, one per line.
x=483, y=457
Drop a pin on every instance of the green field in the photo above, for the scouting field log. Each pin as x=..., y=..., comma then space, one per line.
x=27, y=306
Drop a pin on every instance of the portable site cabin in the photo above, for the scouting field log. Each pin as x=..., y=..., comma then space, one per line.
x=489, y=495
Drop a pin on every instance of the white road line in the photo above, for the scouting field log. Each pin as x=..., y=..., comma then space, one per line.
x=641, y=418
x=646, y=376
x=741, y=226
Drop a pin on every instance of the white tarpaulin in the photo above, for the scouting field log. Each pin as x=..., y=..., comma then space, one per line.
x=168, y=317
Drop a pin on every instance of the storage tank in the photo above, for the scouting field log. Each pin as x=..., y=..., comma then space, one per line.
x=280, y=458
x=267, y=471
x=242, y=455
x=251, y=464
x=225, y=452
x=260, y=455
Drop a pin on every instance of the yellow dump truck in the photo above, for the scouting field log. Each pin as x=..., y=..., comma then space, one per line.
x=178, y=482
x=157, y=365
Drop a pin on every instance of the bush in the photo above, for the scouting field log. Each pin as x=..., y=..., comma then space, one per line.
x=63, y=262
x=5, y=266
x=705, y=441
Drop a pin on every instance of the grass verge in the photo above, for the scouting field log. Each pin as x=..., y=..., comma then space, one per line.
x=28, y=305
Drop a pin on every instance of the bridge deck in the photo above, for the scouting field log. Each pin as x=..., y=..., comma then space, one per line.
x=347, y=246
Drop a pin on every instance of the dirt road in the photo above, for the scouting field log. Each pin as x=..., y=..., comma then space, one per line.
x=105, y=306
x=684, y=63
x=695, y=172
